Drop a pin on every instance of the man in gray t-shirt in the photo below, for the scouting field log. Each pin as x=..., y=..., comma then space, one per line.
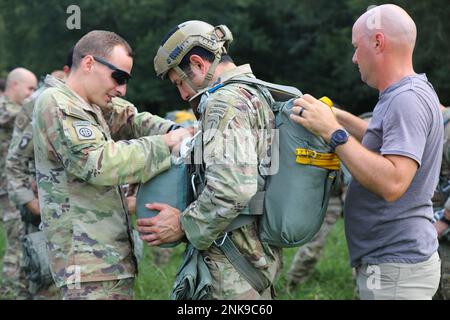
x=394, y=161
x=406, y=122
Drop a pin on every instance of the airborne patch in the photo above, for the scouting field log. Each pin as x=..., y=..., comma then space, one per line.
x=85, y=132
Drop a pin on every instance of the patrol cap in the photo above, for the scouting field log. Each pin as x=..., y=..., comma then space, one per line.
x=187, y=35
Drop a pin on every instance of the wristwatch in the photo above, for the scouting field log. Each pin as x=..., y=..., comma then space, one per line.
x=340, y=136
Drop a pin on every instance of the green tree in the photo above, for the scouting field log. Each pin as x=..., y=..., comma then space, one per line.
x=302, y=43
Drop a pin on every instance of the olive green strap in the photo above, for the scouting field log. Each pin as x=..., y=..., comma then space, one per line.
x=253, y=275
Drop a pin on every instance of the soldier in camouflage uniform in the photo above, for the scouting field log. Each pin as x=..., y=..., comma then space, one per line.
x=20, y=85
x=441, y=204
x=80, y=167
x=20, y=171
x=236, y=112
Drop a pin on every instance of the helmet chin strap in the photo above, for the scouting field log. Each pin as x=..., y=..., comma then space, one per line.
x=208, y=78
x=212, y=69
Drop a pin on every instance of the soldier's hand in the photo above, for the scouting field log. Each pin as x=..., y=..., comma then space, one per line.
x=440, y=227
x=33, y=206
x=131, y=201
x=165, y=227
x=174, y=138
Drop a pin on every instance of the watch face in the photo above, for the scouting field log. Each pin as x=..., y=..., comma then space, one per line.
x=340, y=136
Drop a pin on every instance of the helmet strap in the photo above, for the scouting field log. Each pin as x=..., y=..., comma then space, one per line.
x=208, y=78
x=184, y=77
x=212, y=69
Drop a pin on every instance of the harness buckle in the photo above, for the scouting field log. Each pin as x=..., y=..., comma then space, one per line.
x=222, y=239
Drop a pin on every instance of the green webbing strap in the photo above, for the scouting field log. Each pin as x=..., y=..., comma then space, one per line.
x=279, y=92
x=256, y=208
x=241, y=264
x=253, y=275
x=240, y=221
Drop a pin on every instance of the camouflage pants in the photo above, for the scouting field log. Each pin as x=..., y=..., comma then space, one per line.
x=444, y=285
x=14, y=284
x=307, y=255
x=100, y=290
x=228, y=284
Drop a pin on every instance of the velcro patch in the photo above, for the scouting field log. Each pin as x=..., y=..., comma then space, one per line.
x=24, y=142
x=85, y=132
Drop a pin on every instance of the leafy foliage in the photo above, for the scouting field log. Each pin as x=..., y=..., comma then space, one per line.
x=302, y=43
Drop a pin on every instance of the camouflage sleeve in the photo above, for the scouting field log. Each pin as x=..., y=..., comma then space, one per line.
x=18, y=162
x=8, y=112
x=89, y=156
x=231, y=174
x=126, y=123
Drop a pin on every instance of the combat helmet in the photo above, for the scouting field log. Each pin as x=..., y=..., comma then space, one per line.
x=187, y=35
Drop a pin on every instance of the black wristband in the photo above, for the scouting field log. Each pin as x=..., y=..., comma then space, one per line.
x=174, y=127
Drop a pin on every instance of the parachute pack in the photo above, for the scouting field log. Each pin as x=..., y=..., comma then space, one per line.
x=295, y=200
x=296, y=196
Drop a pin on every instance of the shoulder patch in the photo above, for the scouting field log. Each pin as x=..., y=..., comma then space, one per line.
x=22, y=121
x=217, y=117
x=84, y=131
x=24, y=141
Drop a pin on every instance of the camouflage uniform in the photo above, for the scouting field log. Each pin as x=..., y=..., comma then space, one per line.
x=14, y=283
x=441, y=200
x=235, y=111
x=21, y=172
x=79, y=168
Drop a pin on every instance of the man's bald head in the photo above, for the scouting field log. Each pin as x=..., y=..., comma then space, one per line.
x=384, y=38
x=20, y=84
x=394, y=22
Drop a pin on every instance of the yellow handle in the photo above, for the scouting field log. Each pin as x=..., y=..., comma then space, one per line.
x=327, y=101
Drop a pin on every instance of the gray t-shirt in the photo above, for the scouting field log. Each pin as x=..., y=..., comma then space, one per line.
x=406, y=121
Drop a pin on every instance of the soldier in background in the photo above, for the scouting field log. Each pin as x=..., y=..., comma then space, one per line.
x=441, y=204
x=59, y=74
x=20, y=84
x=21, y=173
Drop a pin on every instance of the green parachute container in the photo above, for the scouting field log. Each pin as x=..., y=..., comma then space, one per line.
x=296, y=196
x=170, y=187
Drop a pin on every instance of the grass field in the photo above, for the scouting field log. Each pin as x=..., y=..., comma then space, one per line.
x=331, y=278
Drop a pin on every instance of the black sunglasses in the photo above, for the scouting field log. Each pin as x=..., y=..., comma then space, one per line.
x=120, y=76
